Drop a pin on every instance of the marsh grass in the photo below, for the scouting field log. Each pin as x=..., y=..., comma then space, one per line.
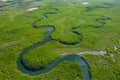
x=98, y=23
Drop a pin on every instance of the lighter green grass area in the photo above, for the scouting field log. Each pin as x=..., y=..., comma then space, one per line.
x=104, y=67
x=17, y=33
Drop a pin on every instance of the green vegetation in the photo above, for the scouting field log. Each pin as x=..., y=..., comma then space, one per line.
x=42, y=57
x=98, y=22
x=65, y=71
x=105, y=67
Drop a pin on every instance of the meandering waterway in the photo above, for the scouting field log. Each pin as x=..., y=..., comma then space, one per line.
x=69, y=57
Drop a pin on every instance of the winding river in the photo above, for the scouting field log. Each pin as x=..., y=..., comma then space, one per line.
x=69, y=57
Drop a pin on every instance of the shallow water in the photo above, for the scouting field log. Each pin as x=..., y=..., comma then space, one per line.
x=15, y=4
